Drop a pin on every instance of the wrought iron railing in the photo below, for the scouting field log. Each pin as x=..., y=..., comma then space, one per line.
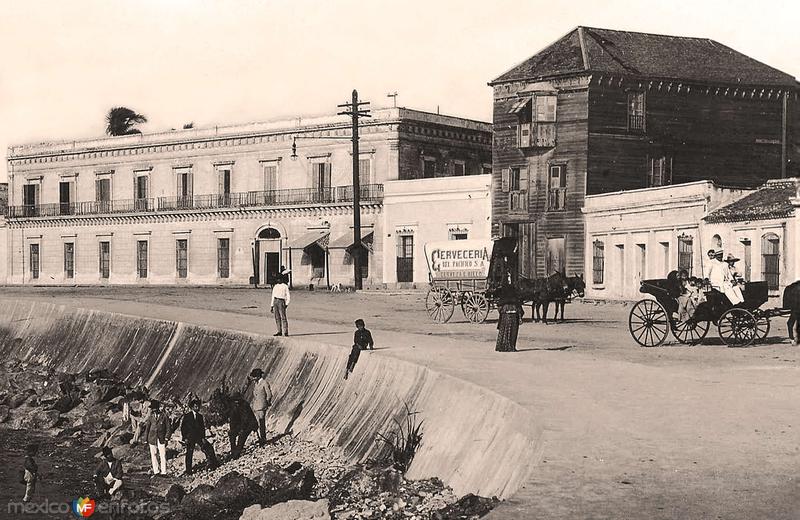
x=325, y=195
x=636, y=122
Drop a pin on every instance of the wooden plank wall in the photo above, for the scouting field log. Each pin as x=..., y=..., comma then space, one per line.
x=571, y=150
x=732, y=141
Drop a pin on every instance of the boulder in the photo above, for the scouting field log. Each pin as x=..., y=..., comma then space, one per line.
x=175, y=494
x=300, y=486
x=468, y=506
x=274, y=479
x=4, y=412
x=354, y=486
x=35, y=420
x=67, y=402
x=234, y=490
x=19, y=399
x=199, y=499
x=291, y=510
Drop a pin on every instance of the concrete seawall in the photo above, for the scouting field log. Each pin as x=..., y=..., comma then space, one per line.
x=473, y=439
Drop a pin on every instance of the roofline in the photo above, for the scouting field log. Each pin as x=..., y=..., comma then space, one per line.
x=494, y=81
x=304, y=123
x=587, y=68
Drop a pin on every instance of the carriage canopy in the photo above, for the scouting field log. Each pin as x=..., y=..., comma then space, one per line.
x=458, y=259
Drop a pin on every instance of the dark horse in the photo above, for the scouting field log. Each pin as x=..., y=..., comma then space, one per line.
x=555, y=288
x=791, y=301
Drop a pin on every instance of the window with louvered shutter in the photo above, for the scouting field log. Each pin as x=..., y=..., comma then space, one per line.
x=771, y=260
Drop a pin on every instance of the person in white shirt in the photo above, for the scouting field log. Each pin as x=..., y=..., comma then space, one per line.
x=719, y=276
x=279, y=303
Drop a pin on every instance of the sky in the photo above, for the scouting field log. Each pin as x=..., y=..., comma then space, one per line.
x=65, y=64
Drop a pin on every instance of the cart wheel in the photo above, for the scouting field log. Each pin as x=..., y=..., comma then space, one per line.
x=690, y=332
x=439, y=304
x=648, y=323
x=475, y=307
x=762, y=327
x=737, y=327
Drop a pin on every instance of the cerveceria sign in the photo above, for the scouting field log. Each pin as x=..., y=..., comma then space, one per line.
x=458, y=259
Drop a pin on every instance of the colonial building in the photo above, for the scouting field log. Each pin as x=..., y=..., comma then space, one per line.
x=601, y=111
x=639, y=234
x=231, y=205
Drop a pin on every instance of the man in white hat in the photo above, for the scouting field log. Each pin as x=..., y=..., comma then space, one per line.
x=734, y=279
x=719, y=276
x=279, y=303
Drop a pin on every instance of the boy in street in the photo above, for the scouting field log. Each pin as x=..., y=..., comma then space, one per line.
x=362, y=340
x=31, y=471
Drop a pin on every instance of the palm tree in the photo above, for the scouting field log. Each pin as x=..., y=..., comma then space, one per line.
x=120, y=121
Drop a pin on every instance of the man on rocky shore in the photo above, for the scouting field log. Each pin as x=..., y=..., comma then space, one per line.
x=108, y=475
x=262, y=399
x=193, y=431
x=156, y=432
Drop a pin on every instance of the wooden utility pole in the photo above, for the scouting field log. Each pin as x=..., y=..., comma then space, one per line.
x=356, y=112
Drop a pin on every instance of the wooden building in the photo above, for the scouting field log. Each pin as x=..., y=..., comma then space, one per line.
x=601, y=111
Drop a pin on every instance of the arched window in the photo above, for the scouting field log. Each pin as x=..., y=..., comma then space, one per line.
x=771, y=260
x=269, y=233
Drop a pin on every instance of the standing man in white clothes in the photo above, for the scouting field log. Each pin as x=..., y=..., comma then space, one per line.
x=279, y=303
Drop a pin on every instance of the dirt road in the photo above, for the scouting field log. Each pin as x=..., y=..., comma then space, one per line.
x=667, y=432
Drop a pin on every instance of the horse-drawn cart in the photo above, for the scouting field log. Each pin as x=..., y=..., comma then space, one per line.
x=651, y=320
x=464, y=273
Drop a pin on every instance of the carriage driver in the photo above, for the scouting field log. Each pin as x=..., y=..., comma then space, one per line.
x=719, y=276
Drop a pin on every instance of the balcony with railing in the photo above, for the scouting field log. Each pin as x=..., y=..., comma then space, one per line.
x=249, y=199
x=518, y=200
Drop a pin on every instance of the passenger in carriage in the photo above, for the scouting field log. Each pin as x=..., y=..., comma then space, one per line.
x=691, y=295
x=719, y=276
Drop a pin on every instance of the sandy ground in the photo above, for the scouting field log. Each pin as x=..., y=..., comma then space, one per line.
x=630, y=432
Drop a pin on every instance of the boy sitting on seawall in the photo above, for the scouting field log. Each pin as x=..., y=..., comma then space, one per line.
x=362, y=340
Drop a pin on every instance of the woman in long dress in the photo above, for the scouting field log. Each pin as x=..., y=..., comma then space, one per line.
x=510, y=317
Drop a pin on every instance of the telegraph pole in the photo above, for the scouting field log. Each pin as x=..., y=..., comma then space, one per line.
x=356, y=112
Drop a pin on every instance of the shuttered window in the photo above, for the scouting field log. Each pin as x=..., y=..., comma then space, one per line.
x=660, y=171
x=771, y=260
x=364, y=172
x=105, y=259
x=69, y=259
x=184, y=189
x=141, y=258
x=34, y=258
x=598, y=261
x=223, y=257
x=182, y=257
x=685, y=253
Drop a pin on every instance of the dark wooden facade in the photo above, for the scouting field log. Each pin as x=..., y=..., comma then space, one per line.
x=688, y=130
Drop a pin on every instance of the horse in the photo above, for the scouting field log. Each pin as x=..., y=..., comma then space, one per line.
x=231, y=407
x=574, y=287
x=791, y=301
x=540, y=292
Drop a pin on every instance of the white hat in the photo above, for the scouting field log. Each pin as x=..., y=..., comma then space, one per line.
x=286, y=271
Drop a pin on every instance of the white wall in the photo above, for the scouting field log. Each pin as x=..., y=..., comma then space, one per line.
x=429, y=209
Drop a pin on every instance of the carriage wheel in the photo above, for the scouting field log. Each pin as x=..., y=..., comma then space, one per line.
x=648, y=323
x=475, y=307
x=690, y=332
x=762, y=326
x=439, y=304
x=737, y=327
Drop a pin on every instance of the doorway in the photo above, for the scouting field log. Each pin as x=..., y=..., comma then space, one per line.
x=267, y=258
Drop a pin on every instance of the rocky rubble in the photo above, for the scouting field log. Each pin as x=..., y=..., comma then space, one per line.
x=288, y=478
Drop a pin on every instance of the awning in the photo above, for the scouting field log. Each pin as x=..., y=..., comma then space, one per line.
x=309, y=239
x=346, y=241
x=519, y=106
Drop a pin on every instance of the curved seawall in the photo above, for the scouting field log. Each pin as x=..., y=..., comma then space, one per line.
x=473, y=439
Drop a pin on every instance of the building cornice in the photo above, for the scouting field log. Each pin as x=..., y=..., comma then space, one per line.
x=208, y=215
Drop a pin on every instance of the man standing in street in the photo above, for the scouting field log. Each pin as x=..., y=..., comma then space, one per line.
x=193, y=431
x=262, y=399
x=156, y=432
x=279, y=303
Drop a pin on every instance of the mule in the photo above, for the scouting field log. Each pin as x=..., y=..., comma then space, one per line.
x=539, y=292
x=791, y=301
x=574, y=288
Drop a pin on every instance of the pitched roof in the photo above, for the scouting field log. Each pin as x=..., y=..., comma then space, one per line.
x=646, y=55
x=772, y=200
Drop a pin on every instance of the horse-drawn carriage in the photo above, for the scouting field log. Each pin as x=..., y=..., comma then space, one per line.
x=651, y=320
x=466, y=273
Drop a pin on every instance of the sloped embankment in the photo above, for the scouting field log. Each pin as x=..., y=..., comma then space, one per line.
x=474, y=440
